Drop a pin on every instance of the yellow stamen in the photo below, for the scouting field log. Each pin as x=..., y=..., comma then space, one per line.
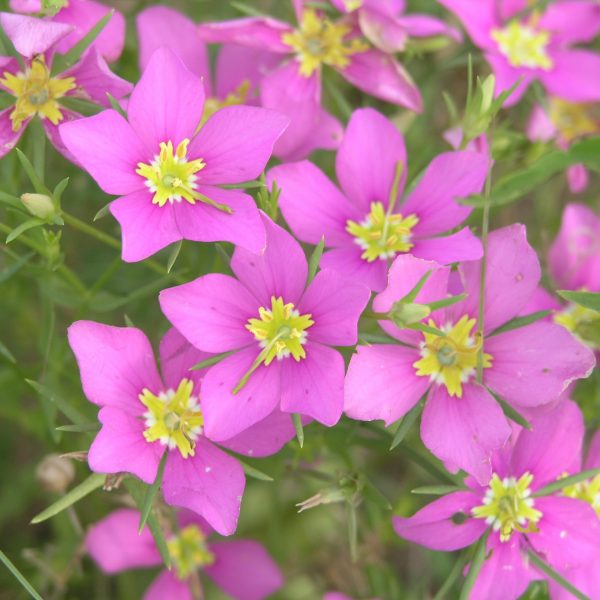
x=573, y=120
x=524, y=45
x=189, y=551
x=238, y=96
x=588, y=491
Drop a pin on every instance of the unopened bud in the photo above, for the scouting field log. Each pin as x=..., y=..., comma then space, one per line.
x=55, y=473
x=39, y=205
x=404, y=314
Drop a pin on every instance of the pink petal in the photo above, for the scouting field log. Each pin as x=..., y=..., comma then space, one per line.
x=463, y=245
x=379, y=75
x=108, y=149
x=327, y=135
x=210, y=483
x=166, y=585
x=114, y=543
x=226, y=414
x=312, y=205
x=576, y=21
x=53, y=132
x=159, y=26
x=121, y=447
x=244, y=570
x=167, y=102
x=335, y=304
x=540, y=127
x=8, y=137
x=593, y=456
x=349, y=263
x=177, y=356
x=279, y=270
x=385, y=32
x=265, y=437
x=211, y=312
x=541, y=300
x=314, y=386
x=31, y=36
x=553, y=446
x=507, y=75
x=236, y=143
x=450, y=177
x=255, y=32
x=570, y=79
x=203, y=223
x=116, y=364
x=146, y=228
x=464, y=432
x=535, y=364
x=578, y=178
x=366, y=161
x=381, y=383
x=425, y=26
x=478, y=18
x=438, y=527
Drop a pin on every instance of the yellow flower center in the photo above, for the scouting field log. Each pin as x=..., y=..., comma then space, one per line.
x=189, y=551
x=281, y=331
x=173, y=417
x=582, y=322
x=36, y=93
x=382, y=235
x=451, y=360
x=508, y=506
x=238, y=96
x=588, y=491
x=170, y=176
x=573, y=120
x=320, y=41
x=524, y=45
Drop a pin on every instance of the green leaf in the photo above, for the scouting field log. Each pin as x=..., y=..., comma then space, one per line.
x=589, y=300
x=560, y=484
x=174, y=254
x=297, y=419
x=151, y=492
x=246, y=9
x=213, y=360
x=8, y=48
x=407, y=422
x=518, y=322
x=11, y=270
x=92, y=483
x=73, y=414
x=22, y=228
x=315, y=259
x=59, y=190
x=136, y=490
x=427, y=329
x=510, y=412
x=410, y=297
x=102, y=212
x=115, y=105
x=475, y=567
x=446, y=302
x=13, y=202
x=543, y=566
x=4, y=351
x=455, y=573
x=372, y=493
x=353, y=532
x=430, y=464
x=436, y=490
x=38, y=184
x=80, y=428
x=19, y=576
x=253, y=472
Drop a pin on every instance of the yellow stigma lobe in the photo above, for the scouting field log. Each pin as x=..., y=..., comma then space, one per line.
x=524, y=45
x=189, y=551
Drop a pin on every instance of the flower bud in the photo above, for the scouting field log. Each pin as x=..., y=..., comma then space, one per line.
x=39, y=205
x=403, y=314
x=55, y=473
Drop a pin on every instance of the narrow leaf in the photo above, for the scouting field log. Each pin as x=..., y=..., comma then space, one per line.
x=457, y=569
x=407, y=422
x=589, y=300
x=73, y=414
x=59, y=190
x=246, y=9
x=4, y=351
x=115, y=105
x=315, y=259
x=19, y=576
x=297, y=419
x=22, y=228
x=353, y=532
x=13, y=202
x=92, y=483
x=80, y=428
x=174, y=254
x=436, y=490
x=510, y=412
x=427, y=329
x=37, y=183
x=543, y=566
x=410, y=297
x=151, y=492
x=475, y=567
x=11, y=270
x=102, y=212
x=518, y=322
x=446, y=302
x=560, y=484
x=254, y=473
x=372, y=493
x=213, y=360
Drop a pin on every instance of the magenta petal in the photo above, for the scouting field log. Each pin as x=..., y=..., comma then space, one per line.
x=367, y=159
x=507, y=76
x=211, y=312
x=8, y=137
x=203, y=223
x=210, y=483
x=146, y=228
x=457, y=247
x=114, y=543
x=385, y=32
x=535, y=364
x=571, y=22
x=539, y=127
x=312, y=205
x=327, y=135
x=116, y=364
x=244, y=570
x=349, y=263
x=335, y=304
x=593, y=457
x=553, y=447
x=435, y=528
x=177, y=356
x=417, y=25
x=236, y=143
x=568, y=532
x=464, y=432
x=478, y=18
x=226, y=414
x=379, y=75
x=570, y=78
x=381, y=383
x=121, y=447
x=108, y=149
x=314, y=386
x=280, y=270
x=167, y=102
x=167, y=585
x=31, y=36
x=265, y=437
x=448, y=178
x=53, y=132
x=159, y=26
x=578, y=178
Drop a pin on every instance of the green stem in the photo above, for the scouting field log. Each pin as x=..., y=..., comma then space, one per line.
x=38, y=143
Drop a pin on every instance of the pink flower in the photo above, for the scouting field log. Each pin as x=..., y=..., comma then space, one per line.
x=368, y=222
x=294, y=88
x=38, y=92
x=238, y=73
x=144, y=415
x=82, y=15
x=166, y=171
x=242, y=569
x=279, y=331
x=385, y=25
x=462, y=424
x=563, y=531
x=536, y=47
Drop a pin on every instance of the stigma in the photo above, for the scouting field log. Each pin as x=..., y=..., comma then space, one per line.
x=523, y=45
